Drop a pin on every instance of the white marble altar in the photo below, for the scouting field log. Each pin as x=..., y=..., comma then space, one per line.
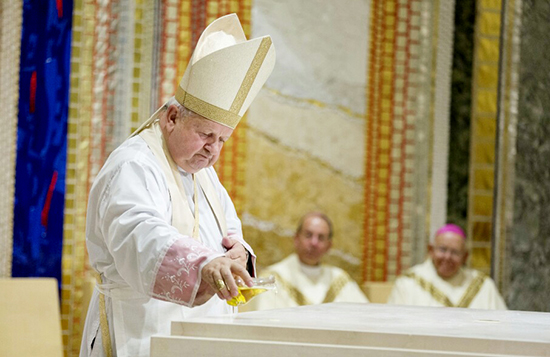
x=345, y=329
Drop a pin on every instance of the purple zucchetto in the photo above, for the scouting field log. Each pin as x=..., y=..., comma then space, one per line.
x=451, y=228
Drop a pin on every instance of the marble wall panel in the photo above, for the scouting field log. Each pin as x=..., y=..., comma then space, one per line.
x=529, y=241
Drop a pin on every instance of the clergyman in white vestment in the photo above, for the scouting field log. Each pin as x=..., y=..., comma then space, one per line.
x=443, y=280
x=301, y=278
x=162, y=232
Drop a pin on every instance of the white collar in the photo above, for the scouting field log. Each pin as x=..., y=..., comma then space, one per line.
x=313, y=272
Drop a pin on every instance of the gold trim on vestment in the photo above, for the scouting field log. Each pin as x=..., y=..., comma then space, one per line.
x=206, y=109
x=472, y=291
x=104, y=323
x=430, y=288
x=335, y=288
x=466, y=299
x=250, y=76
x=196, y=231
x=294, y=293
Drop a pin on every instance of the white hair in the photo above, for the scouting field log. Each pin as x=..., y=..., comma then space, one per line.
x=183, y=111
x=170, y=101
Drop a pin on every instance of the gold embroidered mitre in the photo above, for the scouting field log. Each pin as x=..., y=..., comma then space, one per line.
x=226, y=72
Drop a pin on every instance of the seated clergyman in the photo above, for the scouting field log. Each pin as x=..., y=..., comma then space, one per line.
x=443, y=280
x=301, y=278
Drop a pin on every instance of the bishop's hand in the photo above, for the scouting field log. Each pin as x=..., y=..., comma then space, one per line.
x=236, y=251
x=218, y=277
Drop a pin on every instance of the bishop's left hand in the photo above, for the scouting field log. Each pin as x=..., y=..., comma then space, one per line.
x=235, y=251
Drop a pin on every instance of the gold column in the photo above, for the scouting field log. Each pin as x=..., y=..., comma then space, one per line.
x=483, y=130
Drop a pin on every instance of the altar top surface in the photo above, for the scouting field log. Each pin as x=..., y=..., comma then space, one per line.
x=393, y=319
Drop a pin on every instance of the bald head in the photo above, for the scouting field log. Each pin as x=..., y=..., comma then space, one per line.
x=320, y=215
x=313, y=238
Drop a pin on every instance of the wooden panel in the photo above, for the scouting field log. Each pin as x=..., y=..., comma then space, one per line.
x=30, y=319
x=378, y=292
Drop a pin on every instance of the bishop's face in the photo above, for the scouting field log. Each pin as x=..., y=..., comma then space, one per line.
x=194, y=141
x=448, y=254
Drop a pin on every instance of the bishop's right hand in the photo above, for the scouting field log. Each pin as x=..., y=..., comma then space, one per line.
x=218, y=277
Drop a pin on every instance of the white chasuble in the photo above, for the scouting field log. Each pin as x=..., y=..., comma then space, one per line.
x=299, y=284
x=422, y=286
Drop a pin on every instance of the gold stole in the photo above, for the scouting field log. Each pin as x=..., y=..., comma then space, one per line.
x=466, y=299
x=182, y=218
x=335, y=287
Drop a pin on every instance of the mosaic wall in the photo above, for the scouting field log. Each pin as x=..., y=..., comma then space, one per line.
x=358, y=132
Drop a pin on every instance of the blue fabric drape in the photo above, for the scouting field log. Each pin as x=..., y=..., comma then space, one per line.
x=42, y=138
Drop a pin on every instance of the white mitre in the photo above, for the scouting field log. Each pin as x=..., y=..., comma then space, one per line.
x=226, y=72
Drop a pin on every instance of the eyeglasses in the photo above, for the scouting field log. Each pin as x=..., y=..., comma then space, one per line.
x=453, y=252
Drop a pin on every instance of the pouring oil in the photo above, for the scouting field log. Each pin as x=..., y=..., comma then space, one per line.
x=245, y=294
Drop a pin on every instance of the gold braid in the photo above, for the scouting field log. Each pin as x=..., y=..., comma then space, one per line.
x=472, y=290
x=466, y=299
x=430, y=288
x=294, y=293
x=103, y=322
x=335, y=288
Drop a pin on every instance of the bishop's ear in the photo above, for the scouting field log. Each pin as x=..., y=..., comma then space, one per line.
x=169, y=117
x=172, y=113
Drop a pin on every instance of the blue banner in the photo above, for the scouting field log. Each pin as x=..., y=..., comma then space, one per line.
x=42, y=138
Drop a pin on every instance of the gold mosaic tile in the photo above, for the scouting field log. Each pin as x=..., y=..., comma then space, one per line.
x=486, y=101
x=483, y=179
x=490, y=4
x=485, y=127
x=483, y=153
x=487, y=76
x=482, y=232
x=483, y=205
x=480, y=258
x=282, y=185
x=489, y=23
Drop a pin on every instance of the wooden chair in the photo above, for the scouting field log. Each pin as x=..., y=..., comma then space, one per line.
x=378, y=291
x=30, y=320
